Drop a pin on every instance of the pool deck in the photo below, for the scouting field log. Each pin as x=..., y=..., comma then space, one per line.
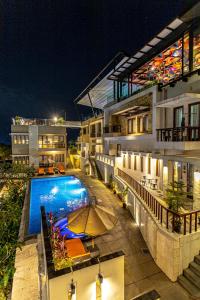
x=141, y=272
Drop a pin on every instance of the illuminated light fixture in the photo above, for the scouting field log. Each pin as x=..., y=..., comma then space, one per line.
x=164, y=33
x=55, y=119
x=100, y=278
x=72, y=287
x=72, y=291
x=174, y=24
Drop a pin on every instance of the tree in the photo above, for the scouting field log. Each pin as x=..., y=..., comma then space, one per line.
x=5, y=151
x=175, y=195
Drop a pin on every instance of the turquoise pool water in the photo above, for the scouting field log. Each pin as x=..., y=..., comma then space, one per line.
x=59, y=195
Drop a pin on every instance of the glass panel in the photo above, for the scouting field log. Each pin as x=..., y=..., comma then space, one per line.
x=130, y=126
x=196, y=49
x=194, y=115
x=186, y=53
x=178, y=115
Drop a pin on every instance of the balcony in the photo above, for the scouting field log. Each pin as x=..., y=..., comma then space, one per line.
x=178, y=138
x=52, y=146
x=112, y=129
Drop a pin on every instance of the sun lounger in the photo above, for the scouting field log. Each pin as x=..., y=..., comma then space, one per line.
x=61, y=169
x=50, y=171
x=41, y=171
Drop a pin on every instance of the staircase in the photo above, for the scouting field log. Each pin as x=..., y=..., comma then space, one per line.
x=190, y=279
x=95, y=168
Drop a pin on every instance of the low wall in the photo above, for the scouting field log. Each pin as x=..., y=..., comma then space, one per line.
x=172, y=252
x=84, y=274
x=106, y=170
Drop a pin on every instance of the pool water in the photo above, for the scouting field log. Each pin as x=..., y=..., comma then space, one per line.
x=59, y=195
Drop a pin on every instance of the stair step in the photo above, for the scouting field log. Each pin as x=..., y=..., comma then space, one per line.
x=195, y=268
x=193, y=277
x=197, y=259
x=191, y=288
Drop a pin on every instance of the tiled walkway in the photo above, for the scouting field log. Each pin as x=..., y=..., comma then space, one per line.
x=141, y=272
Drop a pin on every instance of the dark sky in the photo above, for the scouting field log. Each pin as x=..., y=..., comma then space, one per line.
x=51, y=49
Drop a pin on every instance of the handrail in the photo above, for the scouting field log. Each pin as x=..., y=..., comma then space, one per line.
x=162, y=213
x=179, y=134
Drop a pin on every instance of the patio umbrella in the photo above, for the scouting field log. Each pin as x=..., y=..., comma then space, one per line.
x=92, y=220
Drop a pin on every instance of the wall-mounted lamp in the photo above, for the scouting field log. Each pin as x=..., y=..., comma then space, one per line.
x=100, y=278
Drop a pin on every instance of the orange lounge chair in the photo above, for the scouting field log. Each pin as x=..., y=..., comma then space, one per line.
x=75, y=250
x=61, y=169
x=50, y=171
x=41, y=171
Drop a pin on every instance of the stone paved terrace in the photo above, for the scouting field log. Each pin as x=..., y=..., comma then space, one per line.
x=141, y=272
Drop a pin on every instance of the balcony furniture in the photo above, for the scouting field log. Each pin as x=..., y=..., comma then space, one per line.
x=143, y=182
x=154, y=184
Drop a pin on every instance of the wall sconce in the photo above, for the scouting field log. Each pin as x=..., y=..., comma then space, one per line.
x=100, y=278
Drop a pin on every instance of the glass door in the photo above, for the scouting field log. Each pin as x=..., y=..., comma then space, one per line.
x=178, y=116
x=194, y=121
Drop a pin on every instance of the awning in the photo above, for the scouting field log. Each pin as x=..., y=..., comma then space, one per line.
x=100, y=90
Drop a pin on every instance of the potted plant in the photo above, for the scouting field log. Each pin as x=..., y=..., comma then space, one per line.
x=124, y=196
x=175, y=196
x=18, y=120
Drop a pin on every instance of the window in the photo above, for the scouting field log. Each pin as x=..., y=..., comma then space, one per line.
x=129, y=161
x=196, y=49
x=124, y=161
x=194, y=115
x=135, y=162
x=130, y=126
x=149, y=165
x=20, y=139
x=141, y=163
x=21, y=160
x=157, y=167
x=178, y=116
x=84, y=130
x=145, y=123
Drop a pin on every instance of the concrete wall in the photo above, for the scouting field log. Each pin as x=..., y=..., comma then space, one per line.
x=85, y=282
x=172, y=252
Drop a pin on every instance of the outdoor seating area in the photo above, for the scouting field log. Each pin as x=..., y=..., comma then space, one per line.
x=50, y=170
x=149, y=182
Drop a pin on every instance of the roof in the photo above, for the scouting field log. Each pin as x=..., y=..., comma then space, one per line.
x=100, y=89
x=157, y=44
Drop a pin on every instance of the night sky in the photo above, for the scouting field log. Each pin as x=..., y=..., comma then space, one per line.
x=51, y=49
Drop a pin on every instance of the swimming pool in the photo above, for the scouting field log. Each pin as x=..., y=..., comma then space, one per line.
x=59, y=195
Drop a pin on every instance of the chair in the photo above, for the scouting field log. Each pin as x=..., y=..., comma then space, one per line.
x=50, y=171
x=61, y=169
x=41, y=171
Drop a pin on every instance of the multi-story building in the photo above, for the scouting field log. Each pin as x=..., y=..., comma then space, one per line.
x=151, y=136
x=38, y=141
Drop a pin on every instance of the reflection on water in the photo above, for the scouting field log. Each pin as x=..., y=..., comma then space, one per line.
x=57, y=195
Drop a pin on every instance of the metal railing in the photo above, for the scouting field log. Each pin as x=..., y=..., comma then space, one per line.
x=189, y=222
x=178, y=134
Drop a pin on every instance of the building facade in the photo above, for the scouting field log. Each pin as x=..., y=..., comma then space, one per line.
x=37, y=142
x=151, y=136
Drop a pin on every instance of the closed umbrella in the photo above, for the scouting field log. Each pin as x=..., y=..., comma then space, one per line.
x=92, y=220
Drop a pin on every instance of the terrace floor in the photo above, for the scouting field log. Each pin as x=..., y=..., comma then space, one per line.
x=141, y=272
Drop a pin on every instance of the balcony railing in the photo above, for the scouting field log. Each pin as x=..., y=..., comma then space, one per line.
x=52, y=146
x=168, y=218
x=178, y=134
x=112, y=129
